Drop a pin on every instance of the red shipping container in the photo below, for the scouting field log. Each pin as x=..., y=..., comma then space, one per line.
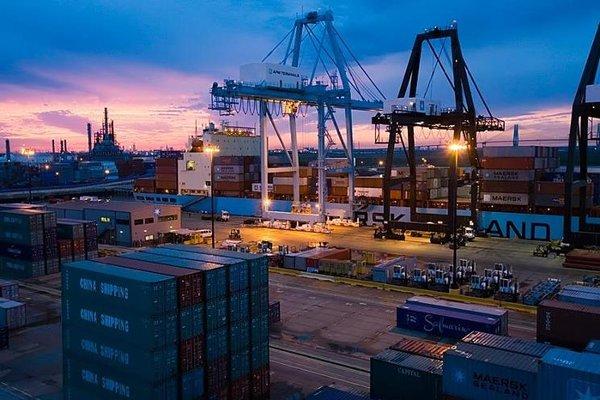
x=217, y=375
x=508, y=163
x=567, y=324
x=240, y=389
x=166, y=162
x=189, y=282
x=191, y=353
x=506, y=186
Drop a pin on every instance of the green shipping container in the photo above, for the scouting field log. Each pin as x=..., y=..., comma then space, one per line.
x=397, y=375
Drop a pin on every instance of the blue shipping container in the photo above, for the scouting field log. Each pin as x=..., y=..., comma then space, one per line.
x=192, y=384
x=568, y=375
x=438, y=322
x=583, y=297
x=474, y=372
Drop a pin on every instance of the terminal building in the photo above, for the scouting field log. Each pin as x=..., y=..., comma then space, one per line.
x=123, y=223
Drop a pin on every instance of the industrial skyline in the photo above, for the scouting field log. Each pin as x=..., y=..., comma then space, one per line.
x=153, y=65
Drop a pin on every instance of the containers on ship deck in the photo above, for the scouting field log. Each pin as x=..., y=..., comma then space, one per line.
x=566, y=375
x=567, y=324
x=473, y=372
x=398, y=375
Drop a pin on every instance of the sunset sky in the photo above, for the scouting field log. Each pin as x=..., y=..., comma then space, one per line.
x=152, y=62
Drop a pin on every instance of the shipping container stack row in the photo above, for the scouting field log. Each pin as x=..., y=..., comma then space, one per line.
x=174, y=322
x=234, y=175
x=77, y=240
x=583, y=259
x=432, y=184
x=522, y=179
x=28, y=243
x=283, y=183
x=310, y=260
x=167, y=175
x=483, y=366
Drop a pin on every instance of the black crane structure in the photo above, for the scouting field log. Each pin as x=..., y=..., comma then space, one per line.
x=583, y=110
x=462, y=119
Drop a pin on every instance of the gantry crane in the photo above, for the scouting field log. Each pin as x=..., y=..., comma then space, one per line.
x=344, y=84
x=586, y=106
x=405, y=112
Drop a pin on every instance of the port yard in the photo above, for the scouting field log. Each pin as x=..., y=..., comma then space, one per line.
x=327, y=334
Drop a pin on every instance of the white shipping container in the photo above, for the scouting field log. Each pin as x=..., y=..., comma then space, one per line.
x=507, y=175
x=339, y=182
x=229, y=169
x=285, y=180
x=517, y=199
x=592, y=94
x=368, y=192
x=272, y=75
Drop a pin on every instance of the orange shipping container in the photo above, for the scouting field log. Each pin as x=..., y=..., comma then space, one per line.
x=368, y=182
x=230, y=186
x=288, y=189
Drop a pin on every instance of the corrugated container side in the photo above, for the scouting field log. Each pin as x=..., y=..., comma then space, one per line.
x=565, y=374
x=474, y=372
x=567, y=324
x=512, y=344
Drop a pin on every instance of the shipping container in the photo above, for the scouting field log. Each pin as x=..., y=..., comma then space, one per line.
x=333, y=393
x=514, y=151
x=506, y=186
x=473, y=372
x=9, y=289
x=516, y=199
x=107, y=383
x=274, y=312
x=13, y=314
x=512, y=175
x=192, y=384
x=514, y=163
x=214, y=280
x=146, y=292
x=22, y=226
x=21, y=269
x=444, y=323
x=189, y=282
x=580, y=295
x=566, y=375
x=398, y=375
x=421, y=347
x=237, y=271
x=512, y=344
x=4, y=338
x=117, y=356
x=593, y=347
x=567, y=324
x=469, y=308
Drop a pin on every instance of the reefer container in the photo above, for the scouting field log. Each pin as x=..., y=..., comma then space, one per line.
x=473, y=372
x=116, y=355
x=189, y=282
x=104, y=382
x=146, y=292
x=475, y=309
x=567, y=375
x=397, y=375
x=421, y=347
x=512, y=344
x=444, y=323
x=567, y=324
x=272, y=75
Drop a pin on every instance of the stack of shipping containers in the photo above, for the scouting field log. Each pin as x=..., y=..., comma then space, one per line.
x=28, y=243
x=166, y=175
x=77, y=240
x=520, y=179
x=234, y=175
x=283, y=188
x=197, y=328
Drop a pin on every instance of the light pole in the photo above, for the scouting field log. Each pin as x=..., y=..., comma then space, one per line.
x=212, y=150
x=455, y=148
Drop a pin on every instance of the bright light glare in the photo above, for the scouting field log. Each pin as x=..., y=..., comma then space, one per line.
x=457, y=147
